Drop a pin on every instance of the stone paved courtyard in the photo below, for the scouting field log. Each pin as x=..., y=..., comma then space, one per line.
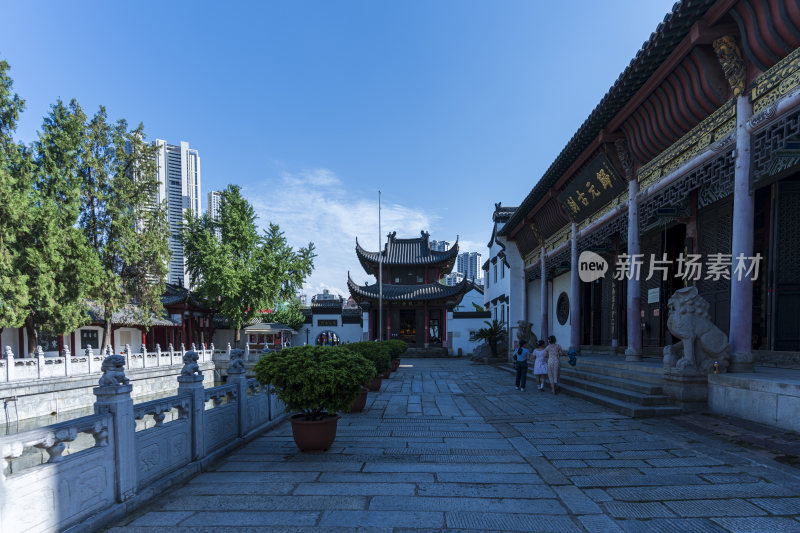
x=450, y=445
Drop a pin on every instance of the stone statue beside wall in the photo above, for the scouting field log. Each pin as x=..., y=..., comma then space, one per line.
x=525, y=333
x=702, y=344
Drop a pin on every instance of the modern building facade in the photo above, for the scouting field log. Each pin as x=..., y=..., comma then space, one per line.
x=414, y=303
x=179, y=185
x=469, y=265
x=440, y=246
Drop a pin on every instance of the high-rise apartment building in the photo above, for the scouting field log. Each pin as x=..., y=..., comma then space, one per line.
x=179, y=184
x=440, y=246
x=212, y=208
x=469, y=264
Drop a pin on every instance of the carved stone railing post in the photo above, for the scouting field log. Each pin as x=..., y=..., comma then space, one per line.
x=247, y=351
x=65, y=353
x=89, y=359
x=237, y=377
x=190, y=383
x=40, y=361
x=9, y=364
x=171, y=354
x=144, y=356
x=158, y=355
x=114, y=397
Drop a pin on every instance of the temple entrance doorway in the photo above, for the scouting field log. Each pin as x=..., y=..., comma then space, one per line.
x=407, y=326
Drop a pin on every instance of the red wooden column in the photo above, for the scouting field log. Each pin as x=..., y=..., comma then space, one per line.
x=444, y=327
x=427, y=328
x=72, y=342
x=144, y=338
x=60, y=343
x=388, y=326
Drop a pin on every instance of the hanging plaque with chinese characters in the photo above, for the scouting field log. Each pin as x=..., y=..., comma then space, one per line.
x=591, y=189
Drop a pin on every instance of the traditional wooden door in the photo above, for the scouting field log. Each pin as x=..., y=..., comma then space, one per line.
x=785, y=266
x=714, y=235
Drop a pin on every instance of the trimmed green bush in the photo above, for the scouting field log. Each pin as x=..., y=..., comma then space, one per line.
x=315, y=380
x=377, y=352
x=396, y=347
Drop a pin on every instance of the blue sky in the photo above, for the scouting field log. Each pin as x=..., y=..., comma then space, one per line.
x=446, y=106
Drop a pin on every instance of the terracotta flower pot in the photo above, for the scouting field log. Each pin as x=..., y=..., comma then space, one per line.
x=375, y=384
x=359, y=403
x=395, y=364
x=387, y=374
x=314, y=435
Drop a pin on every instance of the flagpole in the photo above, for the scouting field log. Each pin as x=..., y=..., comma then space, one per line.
x=380, y=273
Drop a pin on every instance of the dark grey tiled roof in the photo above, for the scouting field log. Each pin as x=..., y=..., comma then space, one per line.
x=407, y=252
x=174, y=294
x=431, y=291
x=130, y=315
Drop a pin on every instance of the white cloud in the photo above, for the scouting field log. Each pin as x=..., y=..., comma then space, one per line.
x=315, y=205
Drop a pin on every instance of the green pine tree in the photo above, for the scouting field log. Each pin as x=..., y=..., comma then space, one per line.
x=122, y=219
x=15, y=180
x=57, y=259
x=243, y=272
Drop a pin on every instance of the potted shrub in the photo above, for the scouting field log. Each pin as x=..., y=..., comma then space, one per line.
x=396, y=349
x=315, y=382
x=377, y=353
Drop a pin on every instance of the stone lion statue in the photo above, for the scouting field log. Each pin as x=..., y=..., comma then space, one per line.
x=702, y=343
x=236, y=364
x=113, y=368
x=525, y=332
x=190, y=367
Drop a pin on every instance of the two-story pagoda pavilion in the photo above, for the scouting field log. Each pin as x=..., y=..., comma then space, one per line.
x=415, y=304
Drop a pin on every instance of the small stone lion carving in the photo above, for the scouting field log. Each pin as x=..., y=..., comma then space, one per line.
x=236, y=364
x=702, y=343
x=113, y=368
x=190, y=367
x=525, y=332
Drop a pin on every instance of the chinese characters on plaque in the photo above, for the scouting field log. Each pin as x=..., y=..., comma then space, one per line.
x=593, y=187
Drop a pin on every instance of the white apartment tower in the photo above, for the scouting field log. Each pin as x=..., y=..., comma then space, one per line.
x=469, y=264
x=439, y=246
x=212, y=208
x=179, y=185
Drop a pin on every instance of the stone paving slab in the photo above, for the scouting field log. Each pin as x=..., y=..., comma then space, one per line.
x=511, y=522
x=759, y=524
x=449, y=446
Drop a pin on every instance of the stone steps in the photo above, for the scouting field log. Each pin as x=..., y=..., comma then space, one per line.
x=425, y=352
x=625, y=390
x=614, y=384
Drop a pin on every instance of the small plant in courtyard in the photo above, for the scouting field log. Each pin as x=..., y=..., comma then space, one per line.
x=396, y=348
x=376, y=352
x=316, y=381
x=492, y=334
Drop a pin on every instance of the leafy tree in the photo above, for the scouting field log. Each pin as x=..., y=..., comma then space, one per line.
x=243, y=271
x=60, y=265
x=492, y=334
x=123, y=219
x=15, y=181
x=289, y=314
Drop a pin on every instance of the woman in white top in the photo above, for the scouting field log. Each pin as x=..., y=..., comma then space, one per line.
x=540, y=364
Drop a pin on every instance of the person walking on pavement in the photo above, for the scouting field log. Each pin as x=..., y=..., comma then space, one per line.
x=521, y=364
x=540, y=365
x=554, y=352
